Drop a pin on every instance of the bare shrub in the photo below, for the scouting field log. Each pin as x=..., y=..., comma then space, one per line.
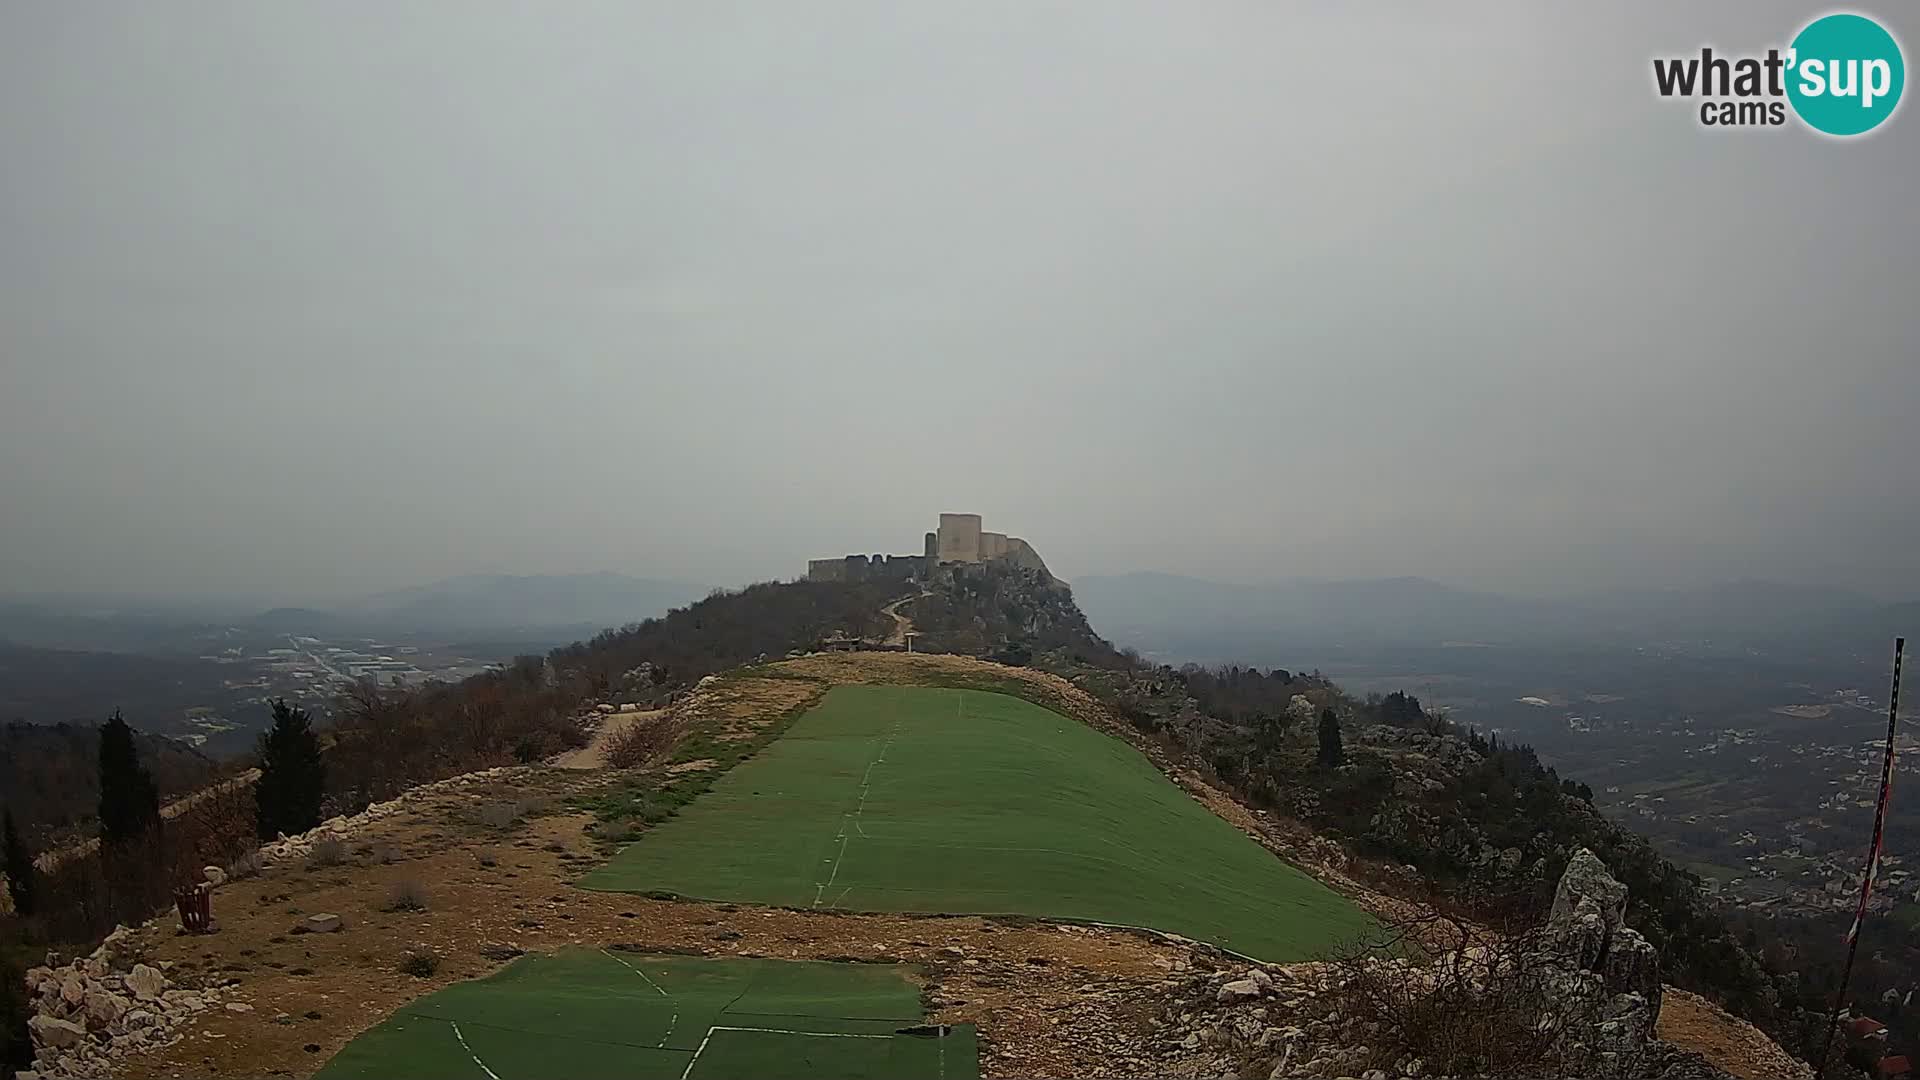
x=215, y=828
x=419, y=963
x=498, y=815
x=407, y=894
x=247, y=864
x=642, y=741
x=1486, y=1004
x=327, y=851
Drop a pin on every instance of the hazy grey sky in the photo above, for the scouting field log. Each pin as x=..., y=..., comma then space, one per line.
x=319, y=298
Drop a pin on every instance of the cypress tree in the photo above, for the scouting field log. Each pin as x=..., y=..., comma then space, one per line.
x=19, y=865
x=293, y=778
x=129, y=799
x=1332, y=753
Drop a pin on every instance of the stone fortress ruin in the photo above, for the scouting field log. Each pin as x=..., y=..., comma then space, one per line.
x=959, y=539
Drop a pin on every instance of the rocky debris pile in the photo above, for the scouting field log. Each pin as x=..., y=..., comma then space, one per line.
x=343, y=827
x=1585, y=976
x=1256, y=1022
x=91, y=1012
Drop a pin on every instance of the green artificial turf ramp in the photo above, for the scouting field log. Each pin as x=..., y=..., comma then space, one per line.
x=888, y=798
x=595, y=1013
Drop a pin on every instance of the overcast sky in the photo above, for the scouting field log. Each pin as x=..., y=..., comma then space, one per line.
x=308, y=300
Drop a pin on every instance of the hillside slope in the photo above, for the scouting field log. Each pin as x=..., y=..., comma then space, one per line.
x=494, y=881
x=1428, y=809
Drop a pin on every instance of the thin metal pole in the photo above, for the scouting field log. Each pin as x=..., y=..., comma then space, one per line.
x=1873, y=857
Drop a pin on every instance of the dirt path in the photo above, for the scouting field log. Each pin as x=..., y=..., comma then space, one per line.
x=902, y=626
x=594, y=754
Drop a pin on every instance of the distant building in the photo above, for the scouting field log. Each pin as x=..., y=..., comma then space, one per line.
x=959, y=539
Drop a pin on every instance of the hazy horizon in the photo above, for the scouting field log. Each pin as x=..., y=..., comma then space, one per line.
x=309, y=303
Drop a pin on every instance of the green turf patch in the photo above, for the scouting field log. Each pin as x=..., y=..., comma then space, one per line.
x=887, y=798
x=654, y=1017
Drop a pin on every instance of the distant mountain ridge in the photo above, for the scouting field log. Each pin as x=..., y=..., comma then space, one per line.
x=507, y=601
x=1210, y=620
x=554, y=606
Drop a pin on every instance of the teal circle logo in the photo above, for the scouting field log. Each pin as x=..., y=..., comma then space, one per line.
x=1845, y=74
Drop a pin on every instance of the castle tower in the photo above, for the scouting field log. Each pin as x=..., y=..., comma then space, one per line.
x=959, y=538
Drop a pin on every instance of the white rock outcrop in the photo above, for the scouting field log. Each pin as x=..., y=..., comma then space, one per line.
x=91, y=1012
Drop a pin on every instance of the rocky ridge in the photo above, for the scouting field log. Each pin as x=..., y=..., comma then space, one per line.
x=1585, y=978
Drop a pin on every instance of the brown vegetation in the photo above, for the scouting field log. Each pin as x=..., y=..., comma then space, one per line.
x=641, y=741
x=1487, y=1007
x=82, y=897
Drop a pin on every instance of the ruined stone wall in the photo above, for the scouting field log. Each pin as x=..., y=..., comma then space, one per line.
x=1021, y=553
x=863, y=568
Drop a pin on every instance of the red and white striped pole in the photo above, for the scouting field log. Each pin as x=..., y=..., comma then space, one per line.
x=1873, y=856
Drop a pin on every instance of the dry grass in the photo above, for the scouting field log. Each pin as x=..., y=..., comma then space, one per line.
x=247, y=865
x=407, y=894
x=327, y=851
x=419, y=963
x=1490, y=1005
x=498, y=815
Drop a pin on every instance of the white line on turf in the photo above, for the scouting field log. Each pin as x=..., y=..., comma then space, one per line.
x=643, y=978
x=859, y=810
x=688, y=1071
x=476, y=1057
x=808, y=1034
x=701, y=1049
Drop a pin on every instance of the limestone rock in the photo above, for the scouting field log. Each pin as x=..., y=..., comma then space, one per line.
x=48, y=1031
x=1586, y=878
x=1238, y=990
x=325, y=923
x=1632, y=966
x=104, y=1008
x=145, y=983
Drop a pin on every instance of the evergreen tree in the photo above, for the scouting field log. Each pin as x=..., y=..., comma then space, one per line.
x=1331, y=752
x=129, y=799
x=19, y=866
x=292, y=776
x=16, y=1041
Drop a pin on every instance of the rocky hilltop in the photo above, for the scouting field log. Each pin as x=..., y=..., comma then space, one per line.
x=1503, y=895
